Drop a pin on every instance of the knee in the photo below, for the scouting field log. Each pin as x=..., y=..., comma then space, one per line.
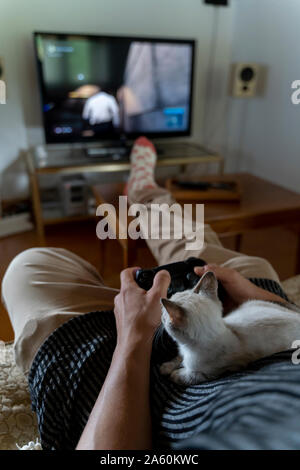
x=22, y=268
x=26, y=257
x=260, y=267
x=253, y=266
x=16, y=267
x=264, y=267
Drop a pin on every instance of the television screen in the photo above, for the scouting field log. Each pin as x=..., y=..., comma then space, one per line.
x=96, y=88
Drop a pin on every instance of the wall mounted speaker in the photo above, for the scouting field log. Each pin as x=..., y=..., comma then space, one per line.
x=245, y=80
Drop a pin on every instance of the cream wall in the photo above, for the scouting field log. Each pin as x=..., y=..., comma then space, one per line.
x=264, y=132
x=260, y=135
x=20, y=120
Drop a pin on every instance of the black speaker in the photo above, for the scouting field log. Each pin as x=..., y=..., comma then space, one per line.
x=217, y=2
x=245, y=79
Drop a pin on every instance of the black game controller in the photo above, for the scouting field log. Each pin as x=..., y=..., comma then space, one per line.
x=182, y=275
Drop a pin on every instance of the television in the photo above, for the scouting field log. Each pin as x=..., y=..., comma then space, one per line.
x=96, y=88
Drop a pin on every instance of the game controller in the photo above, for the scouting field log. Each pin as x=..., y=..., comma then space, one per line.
x=183, y=278
x=182, y=275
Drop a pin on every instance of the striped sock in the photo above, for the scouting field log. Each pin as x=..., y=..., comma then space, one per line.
x=143, y=160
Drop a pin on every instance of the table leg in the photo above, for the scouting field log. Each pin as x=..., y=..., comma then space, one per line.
x=125, y=257
x=296, y=230
x=101, y=245
x=221, y=166
x=298, y=254
x=238, y=242
x=131, y=251
x=37, y=209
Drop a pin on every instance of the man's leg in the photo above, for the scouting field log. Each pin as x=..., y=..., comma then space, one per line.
x=43, y=288
x=143, y=189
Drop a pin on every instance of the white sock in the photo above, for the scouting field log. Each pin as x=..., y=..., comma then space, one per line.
x=143, y=159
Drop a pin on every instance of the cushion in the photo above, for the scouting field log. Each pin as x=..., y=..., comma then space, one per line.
x=18, y=424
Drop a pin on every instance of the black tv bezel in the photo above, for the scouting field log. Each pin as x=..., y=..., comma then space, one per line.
x=50, y=139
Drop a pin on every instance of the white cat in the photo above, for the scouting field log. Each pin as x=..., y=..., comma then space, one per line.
x=210, y=344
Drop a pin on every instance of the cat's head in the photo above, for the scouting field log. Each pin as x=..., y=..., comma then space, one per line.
x=188, y=315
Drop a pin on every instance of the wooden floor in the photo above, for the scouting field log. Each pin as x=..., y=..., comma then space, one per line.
x=276, y=245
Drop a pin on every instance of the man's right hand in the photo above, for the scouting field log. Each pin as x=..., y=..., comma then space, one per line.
x=138, y=312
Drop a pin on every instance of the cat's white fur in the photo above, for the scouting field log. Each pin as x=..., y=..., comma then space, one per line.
x=210, y=344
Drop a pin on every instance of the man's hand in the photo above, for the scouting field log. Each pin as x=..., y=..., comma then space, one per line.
x=138, y=312
x=238, y=288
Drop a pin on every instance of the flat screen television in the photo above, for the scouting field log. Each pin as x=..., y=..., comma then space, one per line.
x=108, y=87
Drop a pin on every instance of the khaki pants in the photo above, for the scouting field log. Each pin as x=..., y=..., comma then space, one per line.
x=44, y=287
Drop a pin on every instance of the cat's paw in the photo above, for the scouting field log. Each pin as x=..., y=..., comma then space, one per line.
x=184, y=377
x=167, y=368
x=180, y=376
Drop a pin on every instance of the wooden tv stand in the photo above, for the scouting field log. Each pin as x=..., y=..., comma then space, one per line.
x=60, y=160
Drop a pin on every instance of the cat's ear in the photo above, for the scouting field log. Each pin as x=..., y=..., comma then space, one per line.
x=175, y=312
x=208, y=284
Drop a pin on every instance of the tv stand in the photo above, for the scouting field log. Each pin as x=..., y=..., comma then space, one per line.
x=61, y=161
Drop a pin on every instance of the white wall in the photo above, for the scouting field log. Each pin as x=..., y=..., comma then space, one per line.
x=264, y=133
x=260, y=135
x=20, y=120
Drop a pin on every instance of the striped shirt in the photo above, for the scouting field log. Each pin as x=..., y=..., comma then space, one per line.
x=70, y=367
